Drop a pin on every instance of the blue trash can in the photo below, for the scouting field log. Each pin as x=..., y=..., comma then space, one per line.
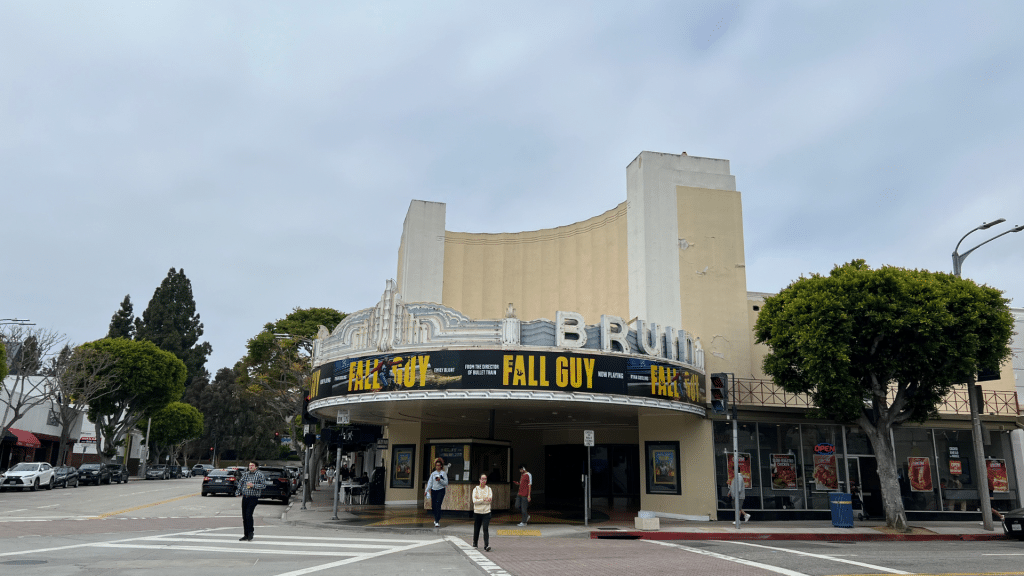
x=841, y=504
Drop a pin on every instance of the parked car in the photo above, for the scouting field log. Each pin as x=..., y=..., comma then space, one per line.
x=221, y=481
x=180, y=472
x=93, y=473
x=200, y=470
x=279, y=484
x=297, y=472
x=118, y=473
x=66, y=476
x=1013, y=524
x=294, y=477
x=31, y=475
x=158, y=472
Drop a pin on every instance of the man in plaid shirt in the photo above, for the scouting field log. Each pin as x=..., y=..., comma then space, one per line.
x=250, y=486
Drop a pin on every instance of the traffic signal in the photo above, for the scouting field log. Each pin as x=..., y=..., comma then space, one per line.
x=307, y=418
x=720, y=392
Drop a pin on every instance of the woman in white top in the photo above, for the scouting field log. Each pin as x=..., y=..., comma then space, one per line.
x=482, y=497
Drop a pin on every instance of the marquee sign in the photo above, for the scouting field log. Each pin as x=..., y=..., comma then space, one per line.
x=508, y=370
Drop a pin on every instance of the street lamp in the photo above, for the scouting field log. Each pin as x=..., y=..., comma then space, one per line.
x=979, y=448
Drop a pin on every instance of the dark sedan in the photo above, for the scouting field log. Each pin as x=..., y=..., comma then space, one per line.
x=279, y=484
x=118, y=473
x=221, y=481
x=1013, y=524
x=93, y=473
x=65, y=476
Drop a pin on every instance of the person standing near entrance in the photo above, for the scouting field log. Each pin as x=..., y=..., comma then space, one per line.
x=437, y=484
x=482, y=497
x=250, y=486
x=525, y=484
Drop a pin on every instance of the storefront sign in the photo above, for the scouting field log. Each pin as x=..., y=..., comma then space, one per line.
x=824, y=448
x=920, y=472
x=87, y=440
x=956, y=467
x=744, y=459
x=997, y=480
x=825, y=472
x=507, y=370
x=783, y=471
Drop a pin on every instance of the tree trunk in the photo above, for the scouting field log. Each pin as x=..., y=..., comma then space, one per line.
x=892, y=498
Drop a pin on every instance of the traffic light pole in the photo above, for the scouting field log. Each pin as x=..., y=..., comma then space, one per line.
x=736, y=504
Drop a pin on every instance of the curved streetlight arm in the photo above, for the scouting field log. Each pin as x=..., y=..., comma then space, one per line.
x=958, y=259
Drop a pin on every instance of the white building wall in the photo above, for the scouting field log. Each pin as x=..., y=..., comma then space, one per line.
x=421, y=253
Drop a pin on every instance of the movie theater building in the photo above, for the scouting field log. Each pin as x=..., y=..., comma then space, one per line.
x=492, y=350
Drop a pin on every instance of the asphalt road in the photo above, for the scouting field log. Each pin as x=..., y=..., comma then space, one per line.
x=165, y=527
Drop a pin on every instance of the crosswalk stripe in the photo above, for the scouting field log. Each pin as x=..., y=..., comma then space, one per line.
x=275, y=542
x=232, y=550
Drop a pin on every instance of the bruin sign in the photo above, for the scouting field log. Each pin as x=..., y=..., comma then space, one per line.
x=509, y=370
x=667, y=343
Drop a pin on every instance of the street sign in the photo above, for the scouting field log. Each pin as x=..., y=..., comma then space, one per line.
x=343, y=417
x=588, y=438
x=382, y=444
x=306, y=429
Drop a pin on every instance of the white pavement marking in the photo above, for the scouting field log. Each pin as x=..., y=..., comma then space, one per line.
x=822, y=556
x=477, y=557
x=729, y=558
x=312, y=569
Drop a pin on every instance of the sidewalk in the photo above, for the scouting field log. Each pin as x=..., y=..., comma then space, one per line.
x=543, y=523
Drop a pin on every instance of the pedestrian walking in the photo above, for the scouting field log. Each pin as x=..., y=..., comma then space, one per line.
x=524, y=496
x=435, y=489
x=250, y=486
x=482, y=497
x=738, y=490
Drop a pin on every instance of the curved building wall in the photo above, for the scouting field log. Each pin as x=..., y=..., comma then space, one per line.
x=580, y=267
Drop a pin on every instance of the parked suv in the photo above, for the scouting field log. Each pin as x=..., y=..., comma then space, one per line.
x=118, y=473
x=279, y=484
x=93, y=473
x=201, y=470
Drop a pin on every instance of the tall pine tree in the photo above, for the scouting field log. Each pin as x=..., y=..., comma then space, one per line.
x=170, y=321
x=122, y=324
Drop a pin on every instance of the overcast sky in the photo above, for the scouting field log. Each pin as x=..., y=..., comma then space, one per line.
x=271, y=149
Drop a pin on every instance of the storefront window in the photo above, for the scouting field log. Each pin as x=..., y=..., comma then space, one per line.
x=857, y=441
x=748, y=454
x=780, y=466
x=916, y=468
x=821, y=455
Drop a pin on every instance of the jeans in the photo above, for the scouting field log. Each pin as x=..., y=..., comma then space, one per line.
x=436, y=498
x=478, y=521
x=523, y=504
x=248, y=506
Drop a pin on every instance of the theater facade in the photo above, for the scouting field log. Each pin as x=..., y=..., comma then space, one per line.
x=492, y=350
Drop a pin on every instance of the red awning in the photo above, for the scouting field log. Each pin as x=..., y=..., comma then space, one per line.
x=26, y=439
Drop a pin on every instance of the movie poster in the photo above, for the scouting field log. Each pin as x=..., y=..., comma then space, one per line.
x=920, y=472
x=744, y=469
x=783, y=471
x=997, y=480
x=826, y=476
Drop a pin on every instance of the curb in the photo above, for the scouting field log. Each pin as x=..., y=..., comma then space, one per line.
x=635, y=535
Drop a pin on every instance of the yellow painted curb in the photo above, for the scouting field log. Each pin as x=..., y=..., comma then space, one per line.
x=518, y=532
x=126, y=510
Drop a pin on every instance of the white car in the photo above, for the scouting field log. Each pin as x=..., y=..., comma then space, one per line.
x=31, y=475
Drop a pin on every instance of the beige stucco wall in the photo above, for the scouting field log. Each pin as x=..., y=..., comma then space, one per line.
x=712, y=276
x=696, y=462
x=579, y=268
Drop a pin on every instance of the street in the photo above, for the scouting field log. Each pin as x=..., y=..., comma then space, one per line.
x=165, y=526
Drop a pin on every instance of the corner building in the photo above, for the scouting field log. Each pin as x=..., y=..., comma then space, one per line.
x=492, y=350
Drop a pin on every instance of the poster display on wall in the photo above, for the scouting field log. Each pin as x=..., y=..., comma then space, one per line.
x=826, y=476
x=663, y=468
x=744, y=469
x=783, y=468
x=997, y=479
x=402, y=460
x=920, y=471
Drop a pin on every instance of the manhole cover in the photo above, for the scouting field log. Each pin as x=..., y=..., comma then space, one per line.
x=22, y=562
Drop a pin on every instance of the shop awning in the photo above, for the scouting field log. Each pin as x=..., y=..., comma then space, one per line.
x=26, y=439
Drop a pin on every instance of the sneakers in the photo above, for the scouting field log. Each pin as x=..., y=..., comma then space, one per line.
x=487, y=548
x=746, y=516
x=437, y=524
x=527, y=518
x=521, y=524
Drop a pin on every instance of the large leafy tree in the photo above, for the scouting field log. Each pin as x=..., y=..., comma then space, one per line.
x=122, y=323
x=147, y=379
x=173, y=425
x=879, y=348
x=171, y=322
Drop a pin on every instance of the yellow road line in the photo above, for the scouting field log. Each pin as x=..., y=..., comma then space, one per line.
x=126, y=510
x=518, y=532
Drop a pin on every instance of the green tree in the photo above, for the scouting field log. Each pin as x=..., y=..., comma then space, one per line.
x=172, y=426
x=146, y=379
x=879, y=348
x=171, y=322
x=122, y=323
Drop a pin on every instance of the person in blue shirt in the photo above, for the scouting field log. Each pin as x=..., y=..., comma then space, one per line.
x=435, y=489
